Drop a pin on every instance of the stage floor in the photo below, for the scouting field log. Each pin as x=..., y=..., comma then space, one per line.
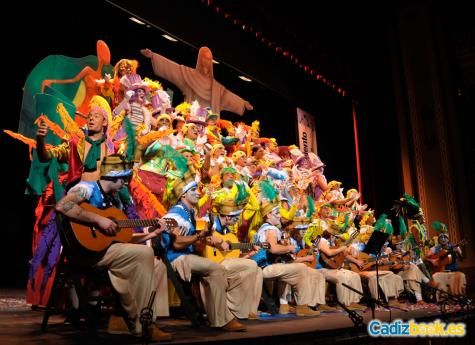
x=20, y=325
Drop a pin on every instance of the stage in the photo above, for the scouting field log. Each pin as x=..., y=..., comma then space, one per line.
x=21, y=325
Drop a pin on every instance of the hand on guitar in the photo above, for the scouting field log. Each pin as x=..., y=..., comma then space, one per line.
x=359, y=263
x=160, y=227
x=250, y=253
x=107, y=226
x=219, y=243
x=291, y=248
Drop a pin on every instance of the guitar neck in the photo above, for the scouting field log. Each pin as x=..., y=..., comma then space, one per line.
x=352, y=237
x=136, y=223
x=242, y=246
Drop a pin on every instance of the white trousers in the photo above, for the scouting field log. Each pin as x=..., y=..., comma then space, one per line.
x=132, y=274
x=244, y=286
x=350, y=278
x=213, y=285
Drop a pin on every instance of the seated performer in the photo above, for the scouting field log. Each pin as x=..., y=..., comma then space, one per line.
x=179, y=247
x=448, y=279
x=132, y=269
x=293, y=274
x=338, y=275
x=391, y=284
x=244, y=276
x=415, y=273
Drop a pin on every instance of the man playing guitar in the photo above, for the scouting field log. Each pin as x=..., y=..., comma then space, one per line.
x=133, y=270
x=449, y=280
x=337, y=275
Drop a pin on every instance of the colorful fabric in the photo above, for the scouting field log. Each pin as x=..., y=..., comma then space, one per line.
x=187, y=225
x=94, y=154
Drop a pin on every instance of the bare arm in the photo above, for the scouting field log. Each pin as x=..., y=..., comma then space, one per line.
x=69, y=206
x=354, y=260
x=275, y=247
x=181, y=242
x=142, y=237
x=323, y=246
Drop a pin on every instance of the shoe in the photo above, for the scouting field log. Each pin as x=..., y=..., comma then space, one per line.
x=356, y=306
x=72, y=318
x=326, y=307
x=253, y=316
x=234, y=326
x=286, y=309
x=304, y=310
x=157, y=334
x=117, y=325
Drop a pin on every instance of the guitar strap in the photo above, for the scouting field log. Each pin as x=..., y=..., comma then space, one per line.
x=107, y=200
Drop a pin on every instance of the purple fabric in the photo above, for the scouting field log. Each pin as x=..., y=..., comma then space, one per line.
x=48, y=249
x=131, y=213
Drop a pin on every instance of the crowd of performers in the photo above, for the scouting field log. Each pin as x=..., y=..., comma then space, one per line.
x=137, y=152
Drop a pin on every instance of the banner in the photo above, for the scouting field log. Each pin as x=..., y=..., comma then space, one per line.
x=307, y=135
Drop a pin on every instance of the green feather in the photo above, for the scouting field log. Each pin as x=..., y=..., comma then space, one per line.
x=268, y=191
x=346, y=223
x=310, y=206
x=178, y=160
x=242, y=195
x=439, y=227
x=402, y=226
x=389, y=229
x=411, y=201
x=380, y=223
x=131, y=142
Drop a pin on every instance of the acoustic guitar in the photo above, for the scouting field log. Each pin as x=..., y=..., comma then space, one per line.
x=335, y=261
x=438, y=262
x=370, y=263
x=310, y=251
x=216, y=255
x=93, y=239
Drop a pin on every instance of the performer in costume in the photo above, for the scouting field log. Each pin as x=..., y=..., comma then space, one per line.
x=391, y=284
x=179, y=247
x=450, y=280
x=244, y=276
x=408, y=208
x=133, y=270
x=337, y=276
x=83, y=153
x=293, y=274
x=122, y=69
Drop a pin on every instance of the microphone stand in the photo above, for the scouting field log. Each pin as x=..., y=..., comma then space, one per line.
x=146, y=319
x=379, y=289
x=356, y=318
x=445, y=296
x=371, y=301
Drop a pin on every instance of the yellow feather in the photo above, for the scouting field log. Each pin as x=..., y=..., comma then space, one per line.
x=69, y=124
x=116, y=123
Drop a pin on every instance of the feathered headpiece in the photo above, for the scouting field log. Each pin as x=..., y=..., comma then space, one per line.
x=231, y=202
x=440, y=228
x=406, y=207
x=269, y=195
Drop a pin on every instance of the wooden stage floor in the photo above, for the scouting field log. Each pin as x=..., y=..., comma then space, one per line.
x=20, y=325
